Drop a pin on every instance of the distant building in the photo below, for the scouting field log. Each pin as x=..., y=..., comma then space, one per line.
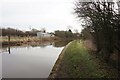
x=41, y=34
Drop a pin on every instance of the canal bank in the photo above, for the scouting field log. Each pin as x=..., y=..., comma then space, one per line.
x=76, y=61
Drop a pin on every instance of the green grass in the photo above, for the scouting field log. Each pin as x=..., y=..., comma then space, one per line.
x=77, y=62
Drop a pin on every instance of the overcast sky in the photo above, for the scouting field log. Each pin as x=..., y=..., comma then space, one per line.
x=49, y=14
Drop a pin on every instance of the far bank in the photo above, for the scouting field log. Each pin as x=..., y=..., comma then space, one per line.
x=17, y=41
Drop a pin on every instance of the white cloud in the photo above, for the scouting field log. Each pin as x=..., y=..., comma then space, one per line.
x=51, y=14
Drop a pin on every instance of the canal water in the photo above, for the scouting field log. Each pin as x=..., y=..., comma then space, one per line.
x=30, y=61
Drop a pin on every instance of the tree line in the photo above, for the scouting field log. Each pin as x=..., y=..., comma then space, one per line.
x=102, y=24
x=33, y=32
x=16, y=32
x=67, y=34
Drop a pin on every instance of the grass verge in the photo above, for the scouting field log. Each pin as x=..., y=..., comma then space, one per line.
x=77, y=62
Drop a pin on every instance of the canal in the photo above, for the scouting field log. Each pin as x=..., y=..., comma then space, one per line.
x=30, y=61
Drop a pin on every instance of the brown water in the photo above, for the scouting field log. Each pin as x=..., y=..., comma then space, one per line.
x=30, y=61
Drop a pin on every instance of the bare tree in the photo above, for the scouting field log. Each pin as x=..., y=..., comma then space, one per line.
x=100, y=19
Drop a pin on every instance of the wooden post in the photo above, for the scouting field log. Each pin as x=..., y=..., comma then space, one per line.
x=8, y=40
x=9, y=49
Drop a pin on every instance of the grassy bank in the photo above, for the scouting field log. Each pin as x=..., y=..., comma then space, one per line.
x=14, y=40
x=77, y=62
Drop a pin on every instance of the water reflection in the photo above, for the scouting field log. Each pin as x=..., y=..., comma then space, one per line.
x=61, y=43
x=32, y=60
x=9, y=49
x=0, y=66
x=29, y=44
x=41, y=44
x=37, y=44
